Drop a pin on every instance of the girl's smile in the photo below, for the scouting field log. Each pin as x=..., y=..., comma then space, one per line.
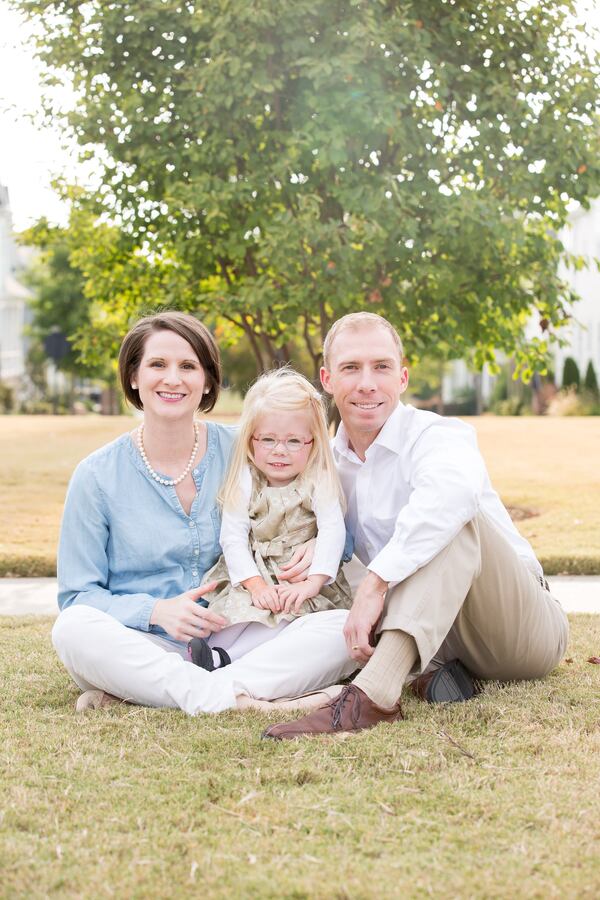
x=277, y=462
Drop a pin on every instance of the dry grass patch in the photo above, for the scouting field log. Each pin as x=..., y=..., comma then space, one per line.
x=492, y=798
x=549, y=466
x=39, y=454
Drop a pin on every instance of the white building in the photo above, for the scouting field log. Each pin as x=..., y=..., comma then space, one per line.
x=582, y=238
x=13, y=299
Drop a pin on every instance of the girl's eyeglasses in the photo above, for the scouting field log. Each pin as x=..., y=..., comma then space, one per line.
x=291, y=444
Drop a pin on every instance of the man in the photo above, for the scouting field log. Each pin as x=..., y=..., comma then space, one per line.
x=451, y=590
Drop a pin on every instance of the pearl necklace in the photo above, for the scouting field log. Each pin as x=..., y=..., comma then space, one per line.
x=169, y=482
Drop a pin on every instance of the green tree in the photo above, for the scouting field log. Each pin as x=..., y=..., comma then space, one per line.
x=296, y=161
x=58, y=302
x=571, y=376
x=425, y=382
x=590, y=382
x=72, y=266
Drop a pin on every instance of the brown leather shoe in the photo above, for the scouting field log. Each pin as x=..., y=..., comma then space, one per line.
x=351, y=711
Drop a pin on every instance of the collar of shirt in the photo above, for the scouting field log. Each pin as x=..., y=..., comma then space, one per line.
x=389, y=437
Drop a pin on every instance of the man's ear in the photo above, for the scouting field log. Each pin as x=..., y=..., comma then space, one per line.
x=404, y=376
x=325, y=377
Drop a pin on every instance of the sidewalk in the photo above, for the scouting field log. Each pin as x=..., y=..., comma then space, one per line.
x=37, y=596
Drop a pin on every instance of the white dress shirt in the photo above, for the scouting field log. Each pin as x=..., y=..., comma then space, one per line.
x=422, y=480
x=329, y=543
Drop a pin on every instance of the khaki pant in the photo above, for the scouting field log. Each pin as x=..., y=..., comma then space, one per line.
x=477, y=601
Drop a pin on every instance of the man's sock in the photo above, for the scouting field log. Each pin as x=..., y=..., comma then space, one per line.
x=383, y=677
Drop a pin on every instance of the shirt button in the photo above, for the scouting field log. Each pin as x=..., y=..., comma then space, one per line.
x=196, y=552
x=191, y=523
x=195, y=471
x=194, y=573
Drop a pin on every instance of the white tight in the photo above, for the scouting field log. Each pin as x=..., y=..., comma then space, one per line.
x=99, y=652
x=238, y=640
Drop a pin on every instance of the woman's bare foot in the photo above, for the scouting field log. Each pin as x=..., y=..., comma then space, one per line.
x=243, y=701
x=311, y=700
x=95, y=699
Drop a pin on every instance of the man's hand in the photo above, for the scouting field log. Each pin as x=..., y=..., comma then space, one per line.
x=364, y=615
x=297, y=568
x=184, y=619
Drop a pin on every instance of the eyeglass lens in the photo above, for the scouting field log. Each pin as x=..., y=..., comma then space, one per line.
x=291, y=444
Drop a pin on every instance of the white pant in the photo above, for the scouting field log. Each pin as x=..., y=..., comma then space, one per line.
x=99, y=652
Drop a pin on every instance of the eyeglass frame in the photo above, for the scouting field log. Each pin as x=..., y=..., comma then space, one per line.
x=283, y=443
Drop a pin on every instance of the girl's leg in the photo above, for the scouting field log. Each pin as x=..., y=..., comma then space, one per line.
x=309, y=654
x=99, y=652
x=240, y=639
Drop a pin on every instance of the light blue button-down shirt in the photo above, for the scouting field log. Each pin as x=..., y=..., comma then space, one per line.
x=126, y=541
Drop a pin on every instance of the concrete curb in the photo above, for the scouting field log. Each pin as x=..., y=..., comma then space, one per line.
x=37, y=596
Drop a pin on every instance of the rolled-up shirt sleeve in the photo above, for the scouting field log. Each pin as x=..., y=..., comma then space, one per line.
x=331, y=537
x=447, y=479
x=235, y=528
x=83, y=566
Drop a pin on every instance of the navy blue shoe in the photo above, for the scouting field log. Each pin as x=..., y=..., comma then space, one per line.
x=451, y=683
x=201, y=654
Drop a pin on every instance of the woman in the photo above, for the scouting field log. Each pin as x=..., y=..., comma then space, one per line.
x=140, y=529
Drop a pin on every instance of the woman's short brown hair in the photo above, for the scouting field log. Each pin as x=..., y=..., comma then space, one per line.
x=191, y=330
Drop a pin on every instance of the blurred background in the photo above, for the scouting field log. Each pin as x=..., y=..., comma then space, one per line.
x=270, y=167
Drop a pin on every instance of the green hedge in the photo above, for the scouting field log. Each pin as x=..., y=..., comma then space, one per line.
x=45, y=566
x=571, y=565
x=27, y=566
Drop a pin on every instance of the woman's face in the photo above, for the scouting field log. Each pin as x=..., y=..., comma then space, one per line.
x=170, y=379
x=279, y=463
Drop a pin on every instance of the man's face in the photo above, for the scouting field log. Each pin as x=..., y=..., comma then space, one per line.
x=366, y=378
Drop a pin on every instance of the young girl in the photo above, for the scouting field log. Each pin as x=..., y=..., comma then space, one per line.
x=281, y=490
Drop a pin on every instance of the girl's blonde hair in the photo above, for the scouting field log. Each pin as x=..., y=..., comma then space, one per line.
x=284, y=390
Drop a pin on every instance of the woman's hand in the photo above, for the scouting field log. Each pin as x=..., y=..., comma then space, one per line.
x=184, y=619
x=296, y=569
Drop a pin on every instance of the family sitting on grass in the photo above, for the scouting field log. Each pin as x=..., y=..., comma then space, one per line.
x=152, y=613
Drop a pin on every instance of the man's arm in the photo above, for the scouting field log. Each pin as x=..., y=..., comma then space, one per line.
x=447, y=476
x=364, y=615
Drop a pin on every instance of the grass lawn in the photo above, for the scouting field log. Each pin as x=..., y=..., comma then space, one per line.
x=487, y=799
x=38, y=456
x=548, y=466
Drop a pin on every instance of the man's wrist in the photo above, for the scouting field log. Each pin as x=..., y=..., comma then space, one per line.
x=374, y=583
